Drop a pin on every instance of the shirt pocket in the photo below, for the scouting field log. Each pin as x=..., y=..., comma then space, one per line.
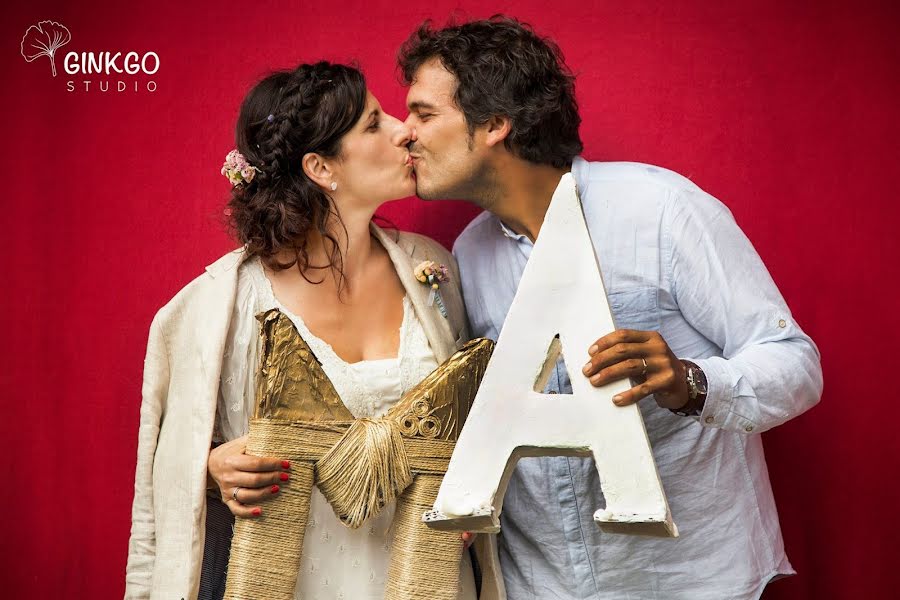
x=635, y=308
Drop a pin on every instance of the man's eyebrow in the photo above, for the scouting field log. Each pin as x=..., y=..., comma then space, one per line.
x=419, y=104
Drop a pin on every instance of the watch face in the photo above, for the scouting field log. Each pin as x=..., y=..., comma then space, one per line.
x=696, y=384
x=696, y=389
x=692, y=383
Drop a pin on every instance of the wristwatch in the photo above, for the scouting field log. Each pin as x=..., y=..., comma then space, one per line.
x=696, y=382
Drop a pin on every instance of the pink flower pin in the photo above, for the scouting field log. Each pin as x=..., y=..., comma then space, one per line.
x=237, y=170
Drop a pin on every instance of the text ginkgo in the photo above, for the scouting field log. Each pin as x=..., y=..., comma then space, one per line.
x=87, y=63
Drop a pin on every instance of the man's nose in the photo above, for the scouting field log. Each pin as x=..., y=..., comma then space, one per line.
x=413, y=135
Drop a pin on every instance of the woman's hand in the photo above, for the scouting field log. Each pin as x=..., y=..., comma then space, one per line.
x=245, y=481
x=257, y=478
x=468, y=539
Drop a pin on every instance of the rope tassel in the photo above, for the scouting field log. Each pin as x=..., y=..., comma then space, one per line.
x=366, y=470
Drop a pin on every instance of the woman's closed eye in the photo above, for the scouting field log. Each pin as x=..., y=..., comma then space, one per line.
x=374, y=120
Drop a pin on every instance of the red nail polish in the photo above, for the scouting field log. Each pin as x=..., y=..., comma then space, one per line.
x=275, y=489
x=284, y=476
x=285, y=464
x=257, y=512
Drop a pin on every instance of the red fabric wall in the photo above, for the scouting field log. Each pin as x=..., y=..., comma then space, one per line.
x=783, y=110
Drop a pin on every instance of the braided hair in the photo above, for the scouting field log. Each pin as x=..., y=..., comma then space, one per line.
x=286, y=115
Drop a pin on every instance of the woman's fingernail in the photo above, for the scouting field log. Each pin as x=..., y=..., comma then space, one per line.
x=593, y=350
x=587, y=368
x=617, y=399
x=257, y=512
x=284, y=476
x=285, y=464
x=275, y=489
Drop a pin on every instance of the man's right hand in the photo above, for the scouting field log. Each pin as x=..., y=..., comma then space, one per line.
x=245, y=481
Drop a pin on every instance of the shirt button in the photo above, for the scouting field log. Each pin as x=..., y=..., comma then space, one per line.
x=709, y=419
x=782, y=323
x=748, y=428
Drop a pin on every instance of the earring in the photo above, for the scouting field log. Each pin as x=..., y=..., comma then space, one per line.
x=333, y=185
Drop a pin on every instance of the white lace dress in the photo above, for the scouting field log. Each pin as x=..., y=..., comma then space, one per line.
x=338, y=562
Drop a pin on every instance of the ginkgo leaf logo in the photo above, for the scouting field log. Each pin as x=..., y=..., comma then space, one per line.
x=44, y=39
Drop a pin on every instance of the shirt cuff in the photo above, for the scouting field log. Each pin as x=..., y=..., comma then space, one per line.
x=721, y=383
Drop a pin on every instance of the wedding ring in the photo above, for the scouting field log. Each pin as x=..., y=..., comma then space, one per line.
x=644, y=372
x=234, y=493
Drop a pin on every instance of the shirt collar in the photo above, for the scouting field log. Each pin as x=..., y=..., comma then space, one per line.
x=580, y=168
x=512, y=234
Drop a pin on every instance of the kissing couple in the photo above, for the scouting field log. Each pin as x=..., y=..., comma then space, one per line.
x=493, y=120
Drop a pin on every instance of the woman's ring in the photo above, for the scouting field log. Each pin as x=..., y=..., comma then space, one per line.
x=234, y=493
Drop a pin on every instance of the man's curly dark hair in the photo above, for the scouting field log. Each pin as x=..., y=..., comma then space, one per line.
x=505, y=68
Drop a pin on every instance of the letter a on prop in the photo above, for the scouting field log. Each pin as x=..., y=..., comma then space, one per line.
x=561, y=304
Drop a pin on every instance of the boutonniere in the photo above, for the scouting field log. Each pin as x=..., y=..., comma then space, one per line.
x=433, y=275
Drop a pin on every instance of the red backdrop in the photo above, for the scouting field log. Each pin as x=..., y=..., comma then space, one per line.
x=783, y=110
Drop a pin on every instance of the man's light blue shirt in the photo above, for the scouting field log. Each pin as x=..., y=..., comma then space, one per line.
x=673, y=260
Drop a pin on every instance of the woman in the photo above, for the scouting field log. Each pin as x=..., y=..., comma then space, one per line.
x=316, y=157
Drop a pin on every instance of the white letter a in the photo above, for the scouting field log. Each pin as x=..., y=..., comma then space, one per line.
x=561, y=293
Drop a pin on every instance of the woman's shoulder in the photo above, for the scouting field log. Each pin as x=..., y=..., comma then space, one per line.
x=422, y=246
x=197, y=292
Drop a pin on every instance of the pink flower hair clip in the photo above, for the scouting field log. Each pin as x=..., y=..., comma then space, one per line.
x=433, y=275
x=237, y=169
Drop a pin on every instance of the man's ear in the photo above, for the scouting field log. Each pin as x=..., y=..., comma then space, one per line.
x=318, y=169
x=496, y=129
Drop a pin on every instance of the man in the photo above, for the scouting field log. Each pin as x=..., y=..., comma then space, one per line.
x=704, y=331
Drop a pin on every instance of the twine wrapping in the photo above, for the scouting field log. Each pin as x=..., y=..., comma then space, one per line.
x=265, y=553
x=360, y=465
x=424, y=562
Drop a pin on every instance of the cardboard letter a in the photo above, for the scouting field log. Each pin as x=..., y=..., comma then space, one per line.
x=561, y=293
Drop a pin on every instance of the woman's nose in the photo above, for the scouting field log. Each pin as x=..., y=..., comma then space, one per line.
x=402, y=134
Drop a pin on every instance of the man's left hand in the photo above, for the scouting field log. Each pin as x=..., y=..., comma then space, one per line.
x=643, y=356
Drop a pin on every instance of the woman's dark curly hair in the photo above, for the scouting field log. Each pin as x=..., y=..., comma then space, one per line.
x=504, y=68
x=284, y=116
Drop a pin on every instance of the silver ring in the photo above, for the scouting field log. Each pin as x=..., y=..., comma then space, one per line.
x=644, y=372
x=234, y=494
